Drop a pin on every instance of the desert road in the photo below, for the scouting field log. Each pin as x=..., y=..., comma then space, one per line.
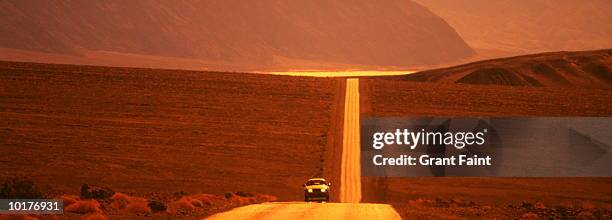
x=302, y=210
x=350, y=185
x=350, y=180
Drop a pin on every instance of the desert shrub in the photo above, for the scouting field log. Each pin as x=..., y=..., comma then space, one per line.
x=194, y=202
x=265, y=198
x=68, y=199
x=122, y=201
x=18, y=188
x=138, y=208
x=119, y=201
x=179, y=194
x=585, y=215
x=99, y=193
x=84, y=207
x=185, y=203
x=241, y=201
x=529, y=216
x=197, y=203
x=206, y=199
x=244, y=194
x=157, y=206
x=120, y=196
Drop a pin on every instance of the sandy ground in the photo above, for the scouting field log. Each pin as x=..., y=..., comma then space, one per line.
x=154, y=133
x=453, y=197
x=133, y=130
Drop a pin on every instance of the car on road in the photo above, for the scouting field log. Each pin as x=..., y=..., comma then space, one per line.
x=316, y=189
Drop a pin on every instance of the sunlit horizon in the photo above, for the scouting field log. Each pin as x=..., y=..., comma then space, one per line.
x=347, y=73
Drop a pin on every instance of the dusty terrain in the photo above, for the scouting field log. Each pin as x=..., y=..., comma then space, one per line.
x=504, y=198
x=162, y=133
x=382, y=97
x=155, y=133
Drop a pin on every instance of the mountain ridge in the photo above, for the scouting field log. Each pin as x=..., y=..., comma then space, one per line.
x=252, y=34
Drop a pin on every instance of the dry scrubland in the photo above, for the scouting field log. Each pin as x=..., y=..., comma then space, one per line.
x=153, y=133
x=510, y=198
x=406, y=98
x=452, y=92
x=103, y=203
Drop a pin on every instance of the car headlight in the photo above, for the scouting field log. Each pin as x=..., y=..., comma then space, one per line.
x=323, y=190
x=309, y=190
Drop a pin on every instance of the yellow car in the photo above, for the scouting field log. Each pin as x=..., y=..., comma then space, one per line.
x=316, y=189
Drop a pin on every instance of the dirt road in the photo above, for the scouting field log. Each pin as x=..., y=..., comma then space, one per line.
x=301, y=210
x=350, y=184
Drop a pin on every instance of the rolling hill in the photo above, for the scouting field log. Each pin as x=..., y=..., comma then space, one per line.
x=587, y=69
